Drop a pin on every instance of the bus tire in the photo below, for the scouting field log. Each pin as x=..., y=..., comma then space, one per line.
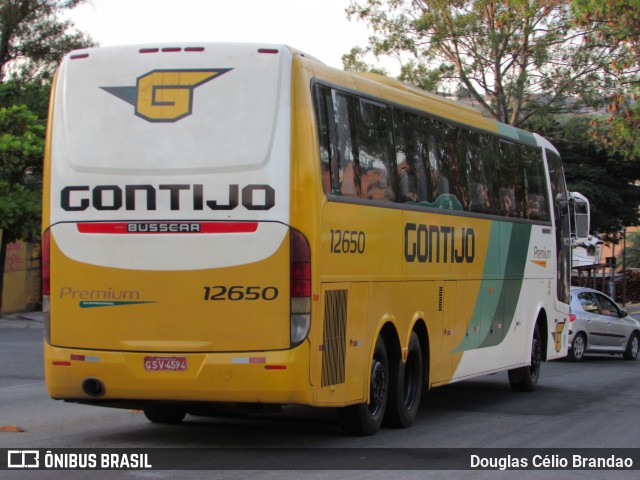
x=405, y=387
x=525, y=379
x=365, y=419
x=164, y=415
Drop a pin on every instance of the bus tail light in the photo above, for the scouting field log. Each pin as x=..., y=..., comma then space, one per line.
x=572, y=317
x=300, y=291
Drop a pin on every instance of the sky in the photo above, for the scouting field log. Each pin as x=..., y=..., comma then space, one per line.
x=317, y=27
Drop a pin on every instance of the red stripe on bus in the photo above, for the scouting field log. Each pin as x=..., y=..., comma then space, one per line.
x=203, y=227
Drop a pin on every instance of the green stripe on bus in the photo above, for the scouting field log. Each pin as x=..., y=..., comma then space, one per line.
x=493, y=313
x=517, y=135
x=97, y=304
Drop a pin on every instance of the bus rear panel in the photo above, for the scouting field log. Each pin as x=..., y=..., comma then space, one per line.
x=167, y=228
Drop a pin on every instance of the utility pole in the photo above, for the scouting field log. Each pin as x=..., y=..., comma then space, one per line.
x=612, y=282
x=624, y=266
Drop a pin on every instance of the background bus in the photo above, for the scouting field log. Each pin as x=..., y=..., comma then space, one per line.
x=240, y=224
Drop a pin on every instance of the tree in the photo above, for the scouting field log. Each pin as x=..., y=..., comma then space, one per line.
x=33, y=94
x=21, y=151
x=603, y=176
x=33, y=38
x=516, y=58
x=617, y=22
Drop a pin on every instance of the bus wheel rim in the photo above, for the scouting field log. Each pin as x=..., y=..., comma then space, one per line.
x=378, y=381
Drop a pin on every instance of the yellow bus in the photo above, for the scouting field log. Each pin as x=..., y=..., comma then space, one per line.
x=241, y=225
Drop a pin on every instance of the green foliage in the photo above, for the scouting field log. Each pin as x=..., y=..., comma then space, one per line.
x=514, y=57
x=620, y=133
x=34, y=37
x=354, y=62
x=617, y=23
x=21, y=153
x=35, y=95
x=604, y=177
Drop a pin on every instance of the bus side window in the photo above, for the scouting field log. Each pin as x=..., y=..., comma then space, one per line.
x=410, y=145
x=377, y=177
x=346, y=181
x=535, y=184
x=326, y=134
x=437, y=164
x=481, y=173
x=560, y=199
x=510, y=181
x=448, y=166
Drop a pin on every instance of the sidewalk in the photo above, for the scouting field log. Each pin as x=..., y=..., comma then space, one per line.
x=22, y=320
x=632, y=308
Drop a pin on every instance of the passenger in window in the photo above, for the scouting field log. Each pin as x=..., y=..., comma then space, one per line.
x=407, y=186
x=535, y=206
x=508, y=201
x=377, y=191
x=479, y=197
x=375, y=185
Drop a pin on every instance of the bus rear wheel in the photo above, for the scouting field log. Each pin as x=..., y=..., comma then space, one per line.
x=525, y=379
x=405, y=389
x=365, y=419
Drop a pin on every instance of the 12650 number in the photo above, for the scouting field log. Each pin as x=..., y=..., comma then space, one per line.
x=347, y=241
x=240, y=292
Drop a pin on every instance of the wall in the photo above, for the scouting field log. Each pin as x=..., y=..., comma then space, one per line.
x=22, y=282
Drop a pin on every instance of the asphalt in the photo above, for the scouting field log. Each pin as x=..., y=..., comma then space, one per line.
x=22, y=320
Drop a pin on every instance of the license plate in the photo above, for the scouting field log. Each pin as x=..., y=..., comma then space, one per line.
x=170, y=364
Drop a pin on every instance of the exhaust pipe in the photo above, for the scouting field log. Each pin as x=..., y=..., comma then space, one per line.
x=93, y=387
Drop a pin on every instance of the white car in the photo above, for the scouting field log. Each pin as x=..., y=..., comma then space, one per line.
x=598, y=325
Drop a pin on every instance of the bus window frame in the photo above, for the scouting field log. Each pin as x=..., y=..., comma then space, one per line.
x=428, y=117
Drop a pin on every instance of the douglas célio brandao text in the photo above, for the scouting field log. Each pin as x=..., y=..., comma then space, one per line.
x=567, y=461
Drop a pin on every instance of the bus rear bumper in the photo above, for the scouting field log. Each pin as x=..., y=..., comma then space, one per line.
x=277, y=377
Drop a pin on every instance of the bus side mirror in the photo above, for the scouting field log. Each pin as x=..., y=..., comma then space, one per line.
x=580, y=216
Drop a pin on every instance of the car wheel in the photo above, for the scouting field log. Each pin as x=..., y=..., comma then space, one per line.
x=578, y=346
x=405, y=388
x=631, y=353
x=365, y=419
x=525, y=379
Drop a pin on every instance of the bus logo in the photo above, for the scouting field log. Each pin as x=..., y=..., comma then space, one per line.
x=165, y=95
x=23, y=459
x=557, y=336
